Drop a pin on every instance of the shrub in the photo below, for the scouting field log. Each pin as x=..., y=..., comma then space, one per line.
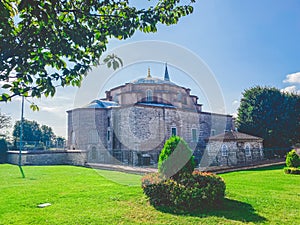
x=292, y=159
x=176, y=158
x=3, y=151
x=190, y=192
x=292, y=170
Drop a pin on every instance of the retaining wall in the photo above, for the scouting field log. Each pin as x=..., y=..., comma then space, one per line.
x=69, y=157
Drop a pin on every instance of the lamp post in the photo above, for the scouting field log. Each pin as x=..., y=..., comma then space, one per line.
x=21, y=139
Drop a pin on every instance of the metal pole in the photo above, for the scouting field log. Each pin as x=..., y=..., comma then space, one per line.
x=21, y=139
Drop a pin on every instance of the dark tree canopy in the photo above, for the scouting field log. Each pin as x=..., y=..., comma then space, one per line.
x=50, y=43
x=270, y=114
x=31, y=131
x=47, y=135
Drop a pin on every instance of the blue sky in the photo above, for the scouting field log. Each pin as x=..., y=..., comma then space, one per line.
x=244, y=42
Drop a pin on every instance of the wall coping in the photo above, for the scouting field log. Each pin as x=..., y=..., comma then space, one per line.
x=40, y=152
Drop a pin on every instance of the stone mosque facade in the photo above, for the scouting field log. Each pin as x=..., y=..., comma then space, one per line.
x=131, y=124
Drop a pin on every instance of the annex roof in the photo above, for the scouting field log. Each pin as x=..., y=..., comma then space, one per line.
x=234, y=136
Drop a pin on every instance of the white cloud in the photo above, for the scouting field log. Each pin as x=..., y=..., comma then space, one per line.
x=235, y=103
x=293, y=78
x=291, y=89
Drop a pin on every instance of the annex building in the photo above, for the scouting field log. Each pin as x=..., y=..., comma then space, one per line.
x=131, y=124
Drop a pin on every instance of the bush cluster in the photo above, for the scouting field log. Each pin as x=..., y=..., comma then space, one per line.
x=292, y=162
x=292, y=159
x=181, y=188
x=291, y=170
x=190, y=192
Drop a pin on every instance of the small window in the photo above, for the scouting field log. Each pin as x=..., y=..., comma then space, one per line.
x=149, y=96
x=179, y=97
x=194, y=135
x=108, y=135
x=248, y=150
x=212, y=132
x=224, y=150
x=108, y=121
x=116, y=98
x=173, y=131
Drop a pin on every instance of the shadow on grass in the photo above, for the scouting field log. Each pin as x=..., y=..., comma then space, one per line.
x=230, y=209
x=276, y=167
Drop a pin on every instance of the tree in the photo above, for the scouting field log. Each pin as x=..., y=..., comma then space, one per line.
x=176, y=158
x=31, y=131
x=60, y=142
x=45, y=44
x=47, y=135
x=5, y=121
x=270, y=114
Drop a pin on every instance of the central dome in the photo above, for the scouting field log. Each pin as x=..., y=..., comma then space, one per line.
x=151, y=80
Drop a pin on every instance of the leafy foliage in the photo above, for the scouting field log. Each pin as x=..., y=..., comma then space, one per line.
x=31, y=131
x=45, y=44
x=193, y=192
x=47, y=134
x=176, y=158
x=270, y=114
x=292, y=159
x=5, y=121
x=34, y=132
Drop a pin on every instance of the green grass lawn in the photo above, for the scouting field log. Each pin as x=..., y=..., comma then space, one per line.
x=85, y=196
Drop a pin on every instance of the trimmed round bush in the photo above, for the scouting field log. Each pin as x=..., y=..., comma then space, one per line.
x=176, y=158
x=292, y=159
x=192, y=192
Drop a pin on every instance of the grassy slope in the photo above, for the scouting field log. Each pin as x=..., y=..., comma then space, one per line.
x=81, y=196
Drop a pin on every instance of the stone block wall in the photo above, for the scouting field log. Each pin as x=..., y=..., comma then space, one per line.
x=70, y=157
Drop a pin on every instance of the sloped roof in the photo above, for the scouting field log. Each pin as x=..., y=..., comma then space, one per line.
x=96, y=104
x=234, y=136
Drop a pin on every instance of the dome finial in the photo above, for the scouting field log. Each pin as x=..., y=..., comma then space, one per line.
x=149, y=74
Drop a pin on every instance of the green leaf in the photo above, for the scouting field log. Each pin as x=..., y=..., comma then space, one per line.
x=6, y=86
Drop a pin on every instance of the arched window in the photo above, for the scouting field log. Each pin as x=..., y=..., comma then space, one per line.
x=224, y=150
x=261, y=150
x=149, y=95
x=94, y=153
x=173, y=131
x=247, y=149
x=179, y=97
x=73, y=140
x=194, y=134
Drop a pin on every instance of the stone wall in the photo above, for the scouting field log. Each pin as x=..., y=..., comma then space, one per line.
x=70, y=157
x=236, y=154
